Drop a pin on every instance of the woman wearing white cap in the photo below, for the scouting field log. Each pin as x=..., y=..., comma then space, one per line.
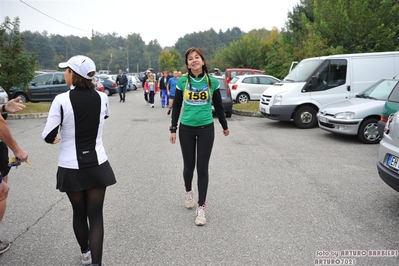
x=83, y=168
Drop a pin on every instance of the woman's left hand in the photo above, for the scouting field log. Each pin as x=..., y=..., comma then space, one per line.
x=226, y=132
x=172, y=138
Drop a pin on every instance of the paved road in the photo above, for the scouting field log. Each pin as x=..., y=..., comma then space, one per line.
x=277, y=195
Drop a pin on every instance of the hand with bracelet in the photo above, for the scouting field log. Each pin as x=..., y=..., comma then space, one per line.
x=13, y=106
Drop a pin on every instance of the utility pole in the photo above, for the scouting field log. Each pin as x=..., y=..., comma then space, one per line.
x=110, y=62
x=127, y=57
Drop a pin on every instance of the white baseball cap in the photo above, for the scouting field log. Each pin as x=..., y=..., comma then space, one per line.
x=81, y=64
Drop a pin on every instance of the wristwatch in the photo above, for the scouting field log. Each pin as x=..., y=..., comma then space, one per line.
x=3, y=108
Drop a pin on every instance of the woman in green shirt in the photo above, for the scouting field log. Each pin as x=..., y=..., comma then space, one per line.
x=195, y=93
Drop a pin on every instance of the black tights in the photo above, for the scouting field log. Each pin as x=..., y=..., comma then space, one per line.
x=197, y=142
x=89, y=204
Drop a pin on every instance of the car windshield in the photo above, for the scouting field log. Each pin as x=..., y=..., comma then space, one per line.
x=234, y=80
x=379, y=90
x=222, y=84
x=303, y=70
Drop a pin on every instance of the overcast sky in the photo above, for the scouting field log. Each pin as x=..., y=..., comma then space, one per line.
x=165, y=21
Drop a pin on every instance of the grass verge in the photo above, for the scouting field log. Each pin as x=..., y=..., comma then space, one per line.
x=252, y=106
x=32, y=108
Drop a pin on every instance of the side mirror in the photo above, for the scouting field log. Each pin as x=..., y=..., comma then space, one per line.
x=314, y=81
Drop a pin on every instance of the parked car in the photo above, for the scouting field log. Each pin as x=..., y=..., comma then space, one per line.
x=99, y=85
x=230, y=73
x=140, y=75
x=226, y=96
x=43, y=88
x=246, y=88
x=133, y=82
x=388, y=153
x=391, y=106
x=358, y=116
x=3, y=96
x=109, y=85
x=104, y=72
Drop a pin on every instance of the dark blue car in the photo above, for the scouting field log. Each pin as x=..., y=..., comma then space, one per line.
x=109, y=85
x=43, y=88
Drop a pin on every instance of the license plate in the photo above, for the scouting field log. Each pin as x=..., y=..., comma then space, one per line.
x=323, y=119
x=393, y=162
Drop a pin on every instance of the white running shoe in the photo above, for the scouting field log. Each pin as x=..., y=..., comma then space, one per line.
x=200, y=219
x=189, y=200
x=4, y=246
x=86, y=258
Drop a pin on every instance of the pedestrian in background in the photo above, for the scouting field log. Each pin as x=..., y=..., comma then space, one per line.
x=195, y=93
x=83, y=168
x=147, y=73
x=151, y=88
x=163, y=82
x=121, y=82
x=171, y=88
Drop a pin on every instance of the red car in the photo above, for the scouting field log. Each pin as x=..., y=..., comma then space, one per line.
x=99, y=85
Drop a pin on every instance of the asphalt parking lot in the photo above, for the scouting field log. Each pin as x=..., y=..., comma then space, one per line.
x=278, y=195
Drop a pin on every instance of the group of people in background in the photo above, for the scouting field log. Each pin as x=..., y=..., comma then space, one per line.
x=164, y=83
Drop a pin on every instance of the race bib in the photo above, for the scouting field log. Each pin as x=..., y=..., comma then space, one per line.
x=197, y=96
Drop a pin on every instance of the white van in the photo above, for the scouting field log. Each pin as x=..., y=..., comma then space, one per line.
x=320, y=80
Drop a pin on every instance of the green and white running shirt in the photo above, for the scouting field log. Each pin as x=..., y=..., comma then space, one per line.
x=197, y=100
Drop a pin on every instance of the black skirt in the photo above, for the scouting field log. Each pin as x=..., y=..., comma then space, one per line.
x=87, y=178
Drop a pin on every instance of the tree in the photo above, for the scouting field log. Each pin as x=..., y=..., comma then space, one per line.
x=17, y=64
x=170, y=60
x=358, y=26
x=244, y=53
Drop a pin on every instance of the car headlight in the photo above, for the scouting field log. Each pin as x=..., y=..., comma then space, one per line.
x=278, y=99
x=345, y=115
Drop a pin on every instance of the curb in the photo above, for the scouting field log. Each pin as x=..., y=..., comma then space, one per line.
x=247, y=113
x=43, y=115
x=26, y=116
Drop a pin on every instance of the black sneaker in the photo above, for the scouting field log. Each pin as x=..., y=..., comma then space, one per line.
x=4, y=246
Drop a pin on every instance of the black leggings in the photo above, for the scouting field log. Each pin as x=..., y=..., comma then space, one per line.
x=197, y=142
x=89, y=204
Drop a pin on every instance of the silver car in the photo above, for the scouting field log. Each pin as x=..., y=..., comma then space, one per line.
x=388, y=154
x=3, y=96
x=358, y=116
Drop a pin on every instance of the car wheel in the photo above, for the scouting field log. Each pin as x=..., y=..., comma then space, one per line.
x=305, y=117
x=242, y=97
x=24, y=97
x=135, y=87
x=107, y=92
x=228, y=114
x=368, y=131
